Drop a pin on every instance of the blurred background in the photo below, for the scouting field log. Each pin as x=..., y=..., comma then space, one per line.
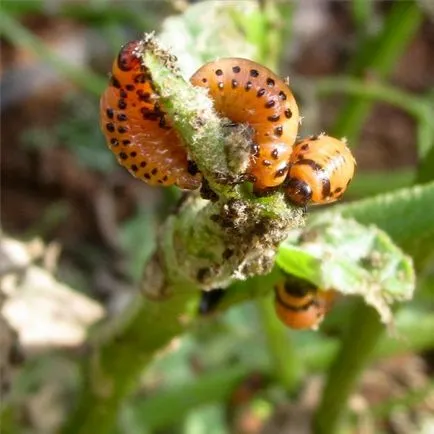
x=77, y=228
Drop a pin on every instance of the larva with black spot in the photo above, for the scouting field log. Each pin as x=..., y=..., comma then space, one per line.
x=300, y=305
x=137, y=130
x=320, y=170
x=247, y=92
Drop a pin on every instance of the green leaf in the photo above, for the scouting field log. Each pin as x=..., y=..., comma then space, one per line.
x=406, y=215
x=350, y=258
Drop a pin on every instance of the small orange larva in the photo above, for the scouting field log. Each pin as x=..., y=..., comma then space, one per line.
x=246, y=92
x=321, y=168
x=300, y=305
x=137, y=129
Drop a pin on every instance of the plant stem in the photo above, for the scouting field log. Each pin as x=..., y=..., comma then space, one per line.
x=379, y=56
x=17, y=34
x=315, y=355
x=286, y=362
x=358, y=344
x=189, y=255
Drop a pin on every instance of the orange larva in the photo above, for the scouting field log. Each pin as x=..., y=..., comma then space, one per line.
x=246, y=92
x=321, y=169
x=137, y=129
x=300, y=305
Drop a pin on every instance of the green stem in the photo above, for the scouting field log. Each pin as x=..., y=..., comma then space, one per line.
x=286, y=362
x=315, y=355
x=17, y=34
x=189, y=255
x=358, y=344
x=375, y=91
x=379, y=56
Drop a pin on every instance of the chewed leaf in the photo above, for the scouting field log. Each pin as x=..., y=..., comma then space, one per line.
x=352, y=259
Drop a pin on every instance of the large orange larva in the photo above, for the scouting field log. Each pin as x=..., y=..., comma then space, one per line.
x=246, y=92
x=137, y=129
x=300, y=305
x=321, y=168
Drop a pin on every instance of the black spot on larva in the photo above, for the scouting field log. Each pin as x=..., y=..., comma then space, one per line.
x=115, y=82
x=143, y=96
x=122, y=117
x=312, y=164
x=305, y=147
x=122, y=130
x=270, y=103
x=122, y=104
x=133, y=154
x=123, y=94
x=110, y=113
x=220, y=85
x=110, y=127
x=278, y=131
x=134, y=168
x=147, y=176
x=154, y=171
x=236, y=69
x=114, y=142
x=254, y=149
x=325, y=192
x=143, y=164
x=218, y=72
x=281, y=172
x=298, y=289
x=234, y=83
x=275, y=154
x=160, y=181
x=130, y=87
x=248, y=86
x=266, y=163
x=282, y=95
x=192, y=168
x=126, y=142
x=288, y=113
x=261, y=92
x=165, y=178
x=123, y=156
x=254, y=73
x=204, y=80
x=140, y=78
x=273, y=118
x=270, y=82
x=337, y=190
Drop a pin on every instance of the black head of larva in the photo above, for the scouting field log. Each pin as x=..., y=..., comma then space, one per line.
x=298, y=192
x=127, y=59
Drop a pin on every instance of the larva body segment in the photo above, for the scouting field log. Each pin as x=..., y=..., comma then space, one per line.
x=300, y=305
x=321, y=168
x=137, y=129
x=246, y=92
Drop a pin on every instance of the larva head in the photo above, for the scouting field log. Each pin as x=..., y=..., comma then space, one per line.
x=127, y=63
x=298, y=191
